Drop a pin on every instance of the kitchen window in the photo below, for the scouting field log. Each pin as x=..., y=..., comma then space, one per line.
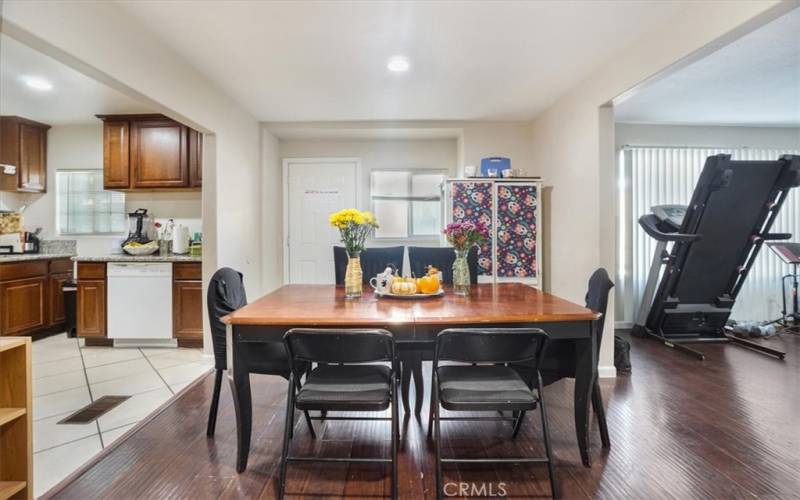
x=407, y=203
x=85, y=208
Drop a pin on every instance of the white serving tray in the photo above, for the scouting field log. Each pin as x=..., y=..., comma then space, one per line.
x=410, y=297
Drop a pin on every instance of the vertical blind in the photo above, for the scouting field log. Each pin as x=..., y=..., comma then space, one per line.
x=667, y=175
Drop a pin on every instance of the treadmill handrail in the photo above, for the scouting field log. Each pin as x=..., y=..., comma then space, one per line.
x=650, y=222
x=776, y=236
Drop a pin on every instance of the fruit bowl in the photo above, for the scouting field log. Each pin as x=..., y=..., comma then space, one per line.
x=141, y=249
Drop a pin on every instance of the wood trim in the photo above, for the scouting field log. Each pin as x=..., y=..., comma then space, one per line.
x=98, y=342
x=139, y=117
x=20, y=270
x=26, y=121
x=195, y=343
x=59, y=266
x=59, y=487
x=187, y=271
x=91, y=270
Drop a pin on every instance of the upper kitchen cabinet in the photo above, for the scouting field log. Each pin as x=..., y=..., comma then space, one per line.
x=23, y=155
x=150, y=152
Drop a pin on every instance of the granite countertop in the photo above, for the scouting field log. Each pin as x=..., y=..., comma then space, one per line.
x=34, y=256
x=139, y=258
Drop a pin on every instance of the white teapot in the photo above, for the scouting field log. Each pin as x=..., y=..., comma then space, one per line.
x=382, y=283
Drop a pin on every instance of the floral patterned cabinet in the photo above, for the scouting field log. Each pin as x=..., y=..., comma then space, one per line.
x=511, y=210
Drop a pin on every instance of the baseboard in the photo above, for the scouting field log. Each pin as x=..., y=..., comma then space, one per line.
x=607, y=371
x=623, y=325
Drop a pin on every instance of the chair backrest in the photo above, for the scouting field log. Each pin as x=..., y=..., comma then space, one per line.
x=441, y=258
x=345, y=346
x=373, y=261
x=225, y=294
x=490, y=345
x=597, y=297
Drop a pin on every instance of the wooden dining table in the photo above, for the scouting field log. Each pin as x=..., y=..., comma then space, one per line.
x=414, y=324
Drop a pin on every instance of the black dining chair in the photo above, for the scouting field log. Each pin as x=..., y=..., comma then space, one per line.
x=348, y=378
x=559, y=361
x=226, y=294
x=373, y=261
x=441, y=258
x=482, y=381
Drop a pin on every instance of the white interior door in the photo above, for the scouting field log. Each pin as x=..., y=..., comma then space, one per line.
x=316, y=189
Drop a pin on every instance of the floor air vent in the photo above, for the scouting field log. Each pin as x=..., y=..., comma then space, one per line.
x=93, y=411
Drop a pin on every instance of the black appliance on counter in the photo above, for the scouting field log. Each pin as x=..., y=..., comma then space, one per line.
x=138, y=225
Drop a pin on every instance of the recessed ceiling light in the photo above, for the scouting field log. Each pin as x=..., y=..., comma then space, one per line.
x=37, y=83
x=398, y=64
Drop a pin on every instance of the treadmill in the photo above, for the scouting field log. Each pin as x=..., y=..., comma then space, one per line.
x=707, y=248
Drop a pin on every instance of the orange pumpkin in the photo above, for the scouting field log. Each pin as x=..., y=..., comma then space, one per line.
x=428, y=284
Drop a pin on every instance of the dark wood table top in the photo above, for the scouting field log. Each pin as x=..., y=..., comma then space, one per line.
x=325, y=305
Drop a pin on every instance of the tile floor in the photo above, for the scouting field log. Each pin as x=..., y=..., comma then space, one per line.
x=67, y=376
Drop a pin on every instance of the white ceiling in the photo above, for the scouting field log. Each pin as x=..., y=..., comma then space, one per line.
x=74, y=98
x=324, y=61
x=753, y=81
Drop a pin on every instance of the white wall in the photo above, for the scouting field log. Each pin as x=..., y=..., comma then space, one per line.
x=378, y=154
x=272, y=196
x=418, y=144
x=573, y=142
x=98, y=39
x=634, y=134
x=80, y=147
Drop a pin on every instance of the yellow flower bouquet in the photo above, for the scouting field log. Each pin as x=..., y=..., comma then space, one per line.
x=354, y=227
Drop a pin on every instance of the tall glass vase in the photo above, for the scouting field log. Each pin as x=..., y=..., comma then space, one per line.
x=461, y=273
x=353, y=276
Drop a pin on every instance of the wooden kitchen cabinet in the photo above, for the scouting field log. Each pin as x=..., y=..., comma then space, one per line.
x=195, y=158
x=91, y=307
x=91, y=301
x=22, y=305
x=187, y=304
x=23, y=145
x=150, y=153
x=116, y=154
x=31, y=299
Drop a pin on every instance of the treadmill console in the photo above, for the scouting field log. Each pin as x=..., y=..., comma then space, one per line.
x=672, y=215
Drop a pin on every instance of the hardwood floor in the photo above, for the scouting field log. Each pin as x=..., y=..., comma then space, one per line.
x=727, y=428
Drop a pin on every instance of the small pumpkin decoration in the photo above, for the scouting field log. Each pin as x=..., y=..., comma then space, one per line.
x=404, y=286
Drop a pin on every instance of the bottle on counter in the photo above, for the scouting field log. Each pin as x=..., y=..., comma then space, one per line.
x=169, y=229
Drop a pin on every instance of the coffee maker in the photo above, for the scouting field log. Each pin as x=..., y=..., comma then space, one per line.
x=139, y=227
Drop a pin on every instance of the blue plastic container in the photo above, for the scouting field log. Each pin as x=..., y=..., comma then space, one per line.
x=494, y=166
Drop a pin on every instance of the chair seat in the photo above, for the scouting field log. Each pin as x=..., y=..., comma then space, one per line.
x=346, y=388
x=469, y=388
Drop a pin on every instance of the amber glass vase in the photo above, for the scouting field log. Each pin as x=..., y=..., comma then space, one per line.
x=353, y=277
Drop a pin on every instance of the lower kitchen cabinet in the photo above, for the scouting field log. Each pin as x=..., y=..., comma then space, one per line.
x=31, y=299
x=23, y=305
x=91, y=308
x=187, y=312
x=187, y=302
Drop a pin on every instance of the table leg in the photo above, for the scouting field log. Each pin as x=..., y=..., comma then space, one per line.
x=585, y=373
x=239, y=378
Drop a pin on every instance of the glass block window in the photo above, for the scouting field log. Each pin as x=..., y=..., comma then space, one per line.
x=84, y=207
x=407, y=203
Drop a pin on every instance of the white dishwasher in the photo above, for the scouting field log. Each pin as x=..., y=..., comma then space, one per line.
x=140, y=302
